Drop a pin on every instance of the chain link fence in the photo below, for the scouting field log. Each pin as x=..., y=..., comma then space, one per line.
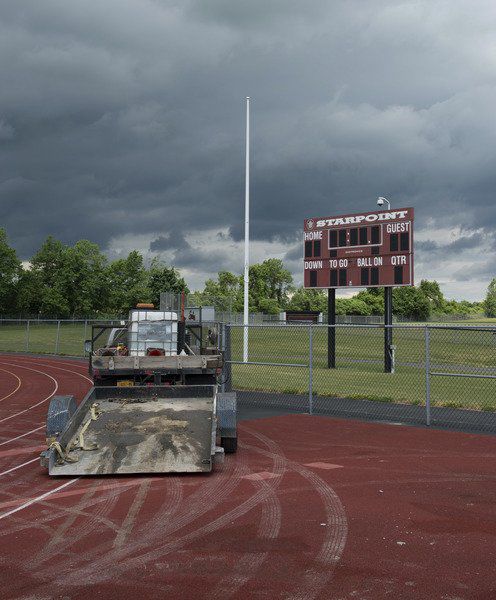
x=47, y=336
x=443, y=376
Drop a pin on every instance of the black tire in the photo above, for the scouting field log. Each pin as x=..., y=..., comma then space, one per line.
x=229, y=444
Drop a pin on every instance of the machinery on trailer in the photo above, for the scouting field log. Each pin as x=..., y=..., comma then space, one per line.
x=155, y=406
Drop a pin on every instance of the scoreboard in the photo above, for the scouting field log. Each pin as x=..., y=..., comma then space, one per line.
x=371, y=249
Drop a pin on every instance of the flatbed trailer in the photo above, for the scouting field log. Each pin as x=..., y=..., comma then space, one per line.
x=141, y=429
x=154, y=408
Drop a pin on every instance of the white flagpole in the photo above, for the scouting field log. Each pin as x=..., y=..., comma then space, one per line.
x=247, y=232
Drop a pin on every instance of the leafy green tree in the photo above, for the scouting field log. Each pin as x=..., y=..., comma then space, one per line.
x=10, y=269
x=225, y=293
x=269, y=306
x=352, y=306
x=411, y=302
x=433, y=293
x=162, y=278
x=307, y=299
x=127, y=283
x=269, y=280
x=68, y=281
x=28, y=293
x=49, y=268
x=490, y=301
x=84, y=279
x=374, y=300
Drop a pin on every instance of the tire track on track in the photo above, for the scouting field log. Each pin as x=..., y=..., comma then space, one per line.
x=336, y=531
x=95, y=516
x=113, y=566
x=171, y=503
x=60, y=542
x=268, y=528
x=204, y=499
x=24, y=525
x=132, y=513
x=269, y=525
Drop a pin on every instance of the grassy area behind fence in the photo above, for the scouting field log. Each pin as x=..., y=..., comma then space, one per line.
x=359, y=371
x=43, y=338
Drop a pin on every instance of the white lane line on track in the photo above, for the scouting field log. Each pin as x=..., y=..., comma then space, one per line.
x=38, y=403
x=18, y=385
x=28, y=462
x=37, y=499
x=22, y=435
x=49, y=357
x=66, y=370
x=41, y=426
x=81, y=490
x=40, y=364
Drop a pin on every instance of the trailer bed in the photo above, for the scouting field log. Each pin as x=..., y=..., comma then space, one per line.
x=141, y=430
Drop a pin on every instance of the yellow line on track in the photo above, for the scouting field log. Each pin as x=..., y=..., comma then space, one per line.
x=19, y=383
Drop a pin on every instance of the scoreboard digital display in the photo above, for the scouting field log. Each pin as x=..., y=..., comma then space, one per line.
x=373, y=249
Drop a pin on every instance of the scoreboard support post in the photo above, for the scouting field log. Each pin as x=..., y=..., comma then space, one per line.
x=388, y=330
x=331, y=329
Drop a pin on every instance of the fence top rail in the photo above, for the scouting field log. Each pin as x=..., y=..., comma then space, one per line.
x=36, y=320
x=488, y=328
x=265, y=364
x=465, y=327
x=274, y=324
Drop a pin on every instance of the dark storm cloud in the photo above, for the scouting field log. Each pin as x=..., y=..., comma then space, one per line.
x=125, y=118
x=430, y=247
x=173, y=241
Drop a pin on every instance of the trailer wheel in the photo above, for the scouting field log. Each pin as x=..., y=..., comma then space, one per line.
x=230, y=444
x=226, y=421
x=60, y=410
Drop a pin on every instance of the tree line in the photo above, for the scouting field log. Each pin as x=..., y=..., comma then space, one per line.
x=271, y=290
x=79, y=281
x=64, y=281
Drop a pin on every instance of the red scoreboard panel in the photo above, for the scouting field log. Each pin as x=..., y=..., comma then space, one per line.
x=372, y=249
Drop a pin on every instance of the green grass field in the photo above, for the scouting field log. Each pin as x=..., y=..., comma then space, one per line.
x=43, y=338
x=359, y=351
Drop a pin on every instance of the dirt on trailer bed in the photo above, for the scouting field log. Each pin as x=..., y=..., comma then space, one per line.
x=142, y=435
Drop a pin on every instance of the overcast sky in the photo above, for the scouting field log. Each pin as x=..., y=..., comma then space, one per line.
x=122, y=121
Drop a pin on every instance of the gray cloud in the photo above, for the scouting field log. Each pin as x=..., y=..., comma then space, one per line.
x=295, y=253
x=466, y=242
x=173, y=241
x=125, y=118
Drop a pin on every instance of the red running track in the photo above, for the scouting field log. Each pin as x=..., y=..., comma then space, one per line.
x=310, y=507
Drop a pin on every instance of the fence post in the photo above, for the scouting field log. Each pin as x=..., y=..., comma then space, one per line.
x=222, y=347
x=57, y=339
x=310, y=370
x=27, y=336
x=227, y=359
x=85, y=328
x=427, y=377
